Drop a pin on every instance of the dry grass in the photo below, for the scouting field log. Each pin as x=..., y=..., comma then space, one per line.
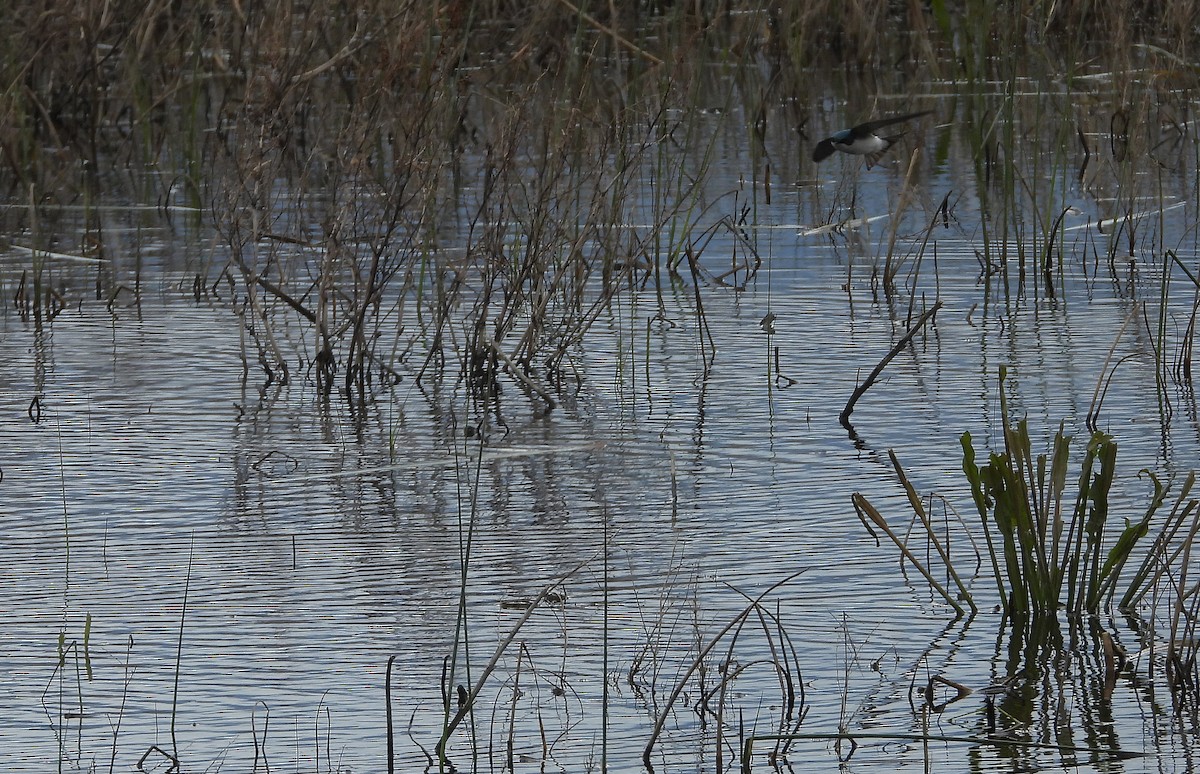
x=333, y=146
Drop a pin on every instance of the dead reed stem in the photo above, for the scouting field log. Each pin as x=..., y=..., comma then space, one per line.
x=465, y=706
x=682, y=683
x=864, y=508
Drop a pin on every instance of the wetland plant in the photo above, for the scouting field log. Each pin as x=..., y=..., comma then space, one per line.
x=333, y=148
x=716, y=701
x=334, y=159
x=1050, y=550
x=1056, y=554
x=1056, y=550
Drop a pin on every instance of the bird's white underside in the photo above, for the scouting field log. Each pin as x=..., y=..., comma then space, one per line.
x=863, y=146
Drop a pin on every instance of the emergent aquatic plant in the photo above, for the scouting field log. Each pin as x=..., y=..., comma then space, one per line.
x=1050, y=548
x=1046, y=552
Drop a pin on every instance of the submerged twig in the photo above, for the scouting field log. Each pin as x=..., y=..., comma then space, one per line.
x=844, y=417
x=978, y=740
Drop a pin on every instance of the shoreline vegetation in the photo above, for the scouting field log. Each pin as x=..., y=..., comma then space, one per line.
x=533, y=127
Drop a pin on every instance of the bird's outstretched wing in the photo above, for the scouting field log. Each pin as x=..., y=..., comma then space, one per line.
x=870, y=126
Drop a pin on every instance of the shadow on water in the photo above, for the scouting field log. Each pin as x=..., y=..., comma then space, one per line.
x=471, y=386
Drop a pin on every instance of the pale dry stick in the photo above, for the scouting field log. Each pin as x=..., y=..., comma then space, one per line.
x=43, y=254
x=844, y=417
x=682, y=683
x=863, y=506
x=889, y=272
x=919, y=509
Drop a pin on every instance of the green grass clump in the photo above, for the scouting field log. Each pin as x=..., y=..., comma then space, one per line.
x=1049, y=550
x=1052, y=551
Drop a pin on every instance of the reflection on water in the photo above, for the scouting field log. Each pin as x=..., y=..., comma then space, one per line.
x=234, y=564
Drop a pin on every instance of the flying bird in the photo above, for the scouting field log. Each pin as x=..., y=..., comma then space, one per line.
x=861, y=140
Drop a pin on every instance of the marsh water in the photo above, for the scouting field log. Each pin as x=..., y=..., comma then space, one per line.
x=196, y=557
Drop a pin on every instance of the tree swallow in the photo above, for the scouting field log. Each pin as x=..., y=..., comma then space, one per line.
x=861, y=140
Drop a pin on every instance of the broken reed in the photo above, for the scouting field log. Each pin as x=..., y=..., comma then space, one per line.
x=716, y=700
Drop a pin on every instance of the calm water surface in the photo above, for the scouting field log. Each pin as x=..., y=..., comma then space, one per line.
x=311, y=545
